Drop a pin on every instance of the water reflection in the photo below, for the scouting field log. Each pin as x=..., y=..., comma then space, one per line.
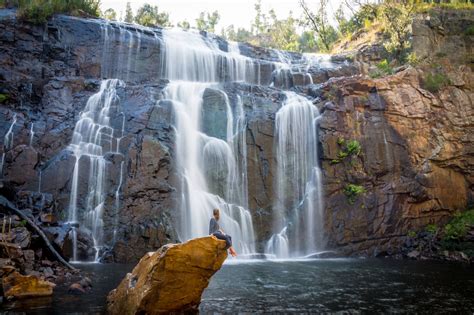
x=296, y=286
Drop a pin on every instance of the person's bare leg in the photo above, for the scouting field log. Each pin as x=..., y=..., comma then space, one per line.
x=232, y=252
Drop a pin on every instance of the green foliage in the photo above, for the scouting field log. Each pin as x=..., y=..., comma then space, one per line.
x=22, y=223
x=39, y=11
x=352, y=192
x=353, y=147
x=458, y=227
x=208, y=21
x=434, y=82
x=383, y=69
x=148, y=15
x=3, y=98
x=128, y=13
x=184, y=25
x=469, y=31
x=412, y=59
x=239, y=35
x=412, y=234
x=342, y=155
x=318, y=21
x=431, y=228
x=307, y=41
x=428, y=5
x=350, y=148
x=397, y=21
x=110, y=14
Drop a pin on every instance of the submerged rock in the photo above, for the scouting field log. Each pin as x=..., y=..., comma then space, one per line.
x=171, y=279
x=18, y=286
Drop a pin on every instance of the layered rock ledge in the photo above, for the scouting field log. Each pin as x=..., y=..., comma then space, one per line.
x=171, y=279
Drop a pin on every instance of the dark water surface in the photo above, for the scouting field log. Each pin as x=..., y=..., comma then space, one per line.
x=351, y=285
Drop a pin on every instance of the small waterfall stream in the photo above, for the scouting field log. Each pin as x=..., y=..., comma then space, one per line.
x=298, y=202
x=8, y=142
x=92, y=139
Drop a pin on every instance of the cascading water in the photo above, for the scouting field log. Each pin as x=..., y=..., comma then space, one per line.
x=298, y=205
x=32, y=134
x=92, y=139
x=195, y=64
x=213, y=166
x=8, y=142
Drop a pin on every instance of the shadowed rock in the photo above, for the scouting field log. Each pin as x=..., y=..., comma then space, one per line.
x=18, y=286
x=171, y=279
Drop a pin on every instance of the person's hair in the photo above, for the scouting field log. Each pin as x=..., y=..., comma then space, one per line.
x=215, y=211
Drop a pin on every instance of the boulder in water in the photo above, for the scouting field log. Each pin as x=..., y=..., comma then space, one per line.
x=18, y=286
x=171, y=279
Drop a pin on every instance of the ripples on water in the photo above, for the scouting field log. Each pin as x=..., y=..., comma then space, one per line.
x=335, y=285
x=328, y=285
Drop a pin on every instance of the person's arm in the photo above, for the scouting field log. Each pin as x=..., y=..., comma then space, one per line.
x=212, y=226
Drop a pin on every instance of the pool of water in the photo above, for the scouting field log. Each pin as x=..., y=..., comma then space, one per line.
x=327, y=285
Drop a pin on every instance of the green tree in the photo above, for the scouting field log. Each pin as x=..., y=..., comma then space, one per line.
x=398, y=16
x=148, y=15
x=128, y=13
x=239, y=35
x=260, y=24
x=318, y=21
x=110, y=14
x=208, y=21
x=307, y=41
x=184, y=25
x=283, y=33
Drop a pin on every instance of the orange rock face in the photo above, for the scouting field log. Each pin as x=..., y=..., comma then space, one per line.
x=416, y=163
x=18, y=286
x=171, y=279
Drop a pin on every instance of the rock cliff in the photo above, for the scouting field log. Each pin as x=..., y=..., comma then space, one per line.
x=415, y=163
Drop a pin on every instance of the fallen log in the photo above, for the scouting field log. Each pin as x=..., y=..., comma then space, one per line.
x=7, y=205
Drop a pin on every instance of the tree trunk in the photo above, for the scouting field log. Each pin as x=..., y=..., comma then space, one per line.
x=8, y=206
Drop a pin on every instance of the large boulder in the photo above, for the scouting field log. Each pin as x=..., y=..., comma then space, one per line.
x=18, y=286
x=171, y=279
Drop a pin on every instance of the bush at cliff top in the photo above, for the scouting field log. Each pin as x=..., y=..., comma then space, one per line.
x=39, y=11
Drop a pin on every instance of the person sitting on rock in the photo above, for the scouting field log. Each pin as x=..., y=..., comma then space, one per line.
x=217, y=232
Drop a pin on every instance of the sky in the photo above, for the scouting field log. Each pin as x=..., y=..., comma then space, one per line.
x=240, y=13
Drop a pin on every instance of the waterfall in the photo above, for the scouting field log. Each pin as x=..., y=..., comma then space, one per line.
x=298, y=203
x=8, y=142
x=92, y=139
x=211, y=161
x=117, y=201
x=197, y=155
x=213, y=168
x=32, y=134
x=188, y=56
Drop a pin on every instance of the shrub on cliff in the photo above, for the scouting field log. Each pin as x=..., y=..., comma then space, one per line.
x=352, y=192
x=39, y=11
x=434, y=82
x=383, y=69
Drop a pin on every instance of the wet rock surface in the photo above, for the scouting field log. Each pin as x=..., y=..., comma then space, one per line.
x=416, y=147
